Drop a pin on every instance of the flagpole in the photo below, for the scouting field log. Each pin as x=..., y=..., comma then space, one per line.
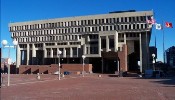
x=146, y=46
x=155, y=37
x=163, y=44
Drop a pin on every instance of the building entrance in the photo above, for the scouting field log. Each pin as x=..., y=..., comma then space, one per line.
x=110, y=65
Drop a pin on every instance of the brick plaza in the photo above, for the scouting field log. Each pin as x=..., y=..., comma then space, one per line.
x=90, y=87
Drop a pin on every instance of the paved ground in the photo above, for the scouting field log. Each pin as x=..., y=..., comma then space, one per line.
x=90, y=87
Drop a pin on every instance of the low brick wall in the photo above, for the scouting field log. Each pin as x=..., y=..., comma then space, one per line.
x=77, y=67
x=24, y=69
x=35, y=69
x=44, y=70
x=50, y=69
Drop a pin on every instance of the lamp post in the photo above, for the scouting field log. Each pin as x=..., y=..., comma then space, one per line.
x=83, y=56
x=59, y=53
x=153, y=55
x=4, y=43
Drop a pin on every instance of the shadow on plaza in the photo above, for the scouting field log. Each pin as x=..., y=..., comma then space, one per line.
x=166, y=81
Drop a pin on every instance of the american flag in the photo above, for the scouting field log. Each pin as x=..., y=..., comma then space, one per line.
x=151, y=21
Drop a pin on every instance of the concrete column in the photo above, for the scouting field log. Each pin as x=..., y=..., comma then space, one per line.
x=18, y=56
x=71, y=52
x=107, y=43
x=125, y=38
x=51, y=52
x=89, y=50
x=84, y=49
x=33, y=51
x=64, y=52
x=99, y=45
x=88, y=38
x=116, y=42
x=71, y=37
x=28, y=54
x=140, y=39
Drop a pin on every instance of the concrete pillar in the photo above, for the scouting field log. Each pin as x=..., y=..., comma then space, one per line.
x=28, y=49
x=107, y=43
x=51, y=52
x=89, y=50
x=18, y=56
x=99, y=45
x=140, y=40
x=33, y=51
x=125, y=38
x=71, y=52
x=84, y=49
x=64, y=52
x=116, y=42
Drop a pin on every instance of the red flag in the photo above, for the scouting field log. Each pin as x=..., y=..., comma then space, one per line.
x=168, y=24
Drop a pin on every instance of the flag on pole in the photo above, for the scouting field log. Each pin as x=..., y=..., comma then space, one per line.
x=151, y=21
x=158, y=26
x=168, y=24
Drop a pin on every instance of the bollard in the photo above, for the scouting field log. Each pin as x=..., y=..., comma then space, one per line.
x=38, y=76
x=62, y=75
x=99, y=75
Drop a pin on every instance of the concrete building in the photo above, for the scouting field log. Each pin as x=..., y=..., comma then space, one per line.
x=110, y=42
x=170, y=56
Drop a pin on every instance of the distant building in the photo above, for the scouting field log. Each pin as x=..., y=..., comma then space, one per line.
x=170, y=56
x=152, y=50
x=4, y=64
x=109, y=41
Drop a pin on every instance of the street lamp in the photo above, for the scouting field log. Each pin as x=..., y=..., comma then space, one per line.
x=4, y=43
x=59, y=53
x=83, y=56
x=153, y=55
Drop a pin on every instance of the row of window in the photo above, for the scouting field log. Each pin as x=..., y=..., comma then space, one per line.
x=66, y=38
x=81, y=29
x=39, y=45
x=67, y=51
x=79, y=23
x=49, y=38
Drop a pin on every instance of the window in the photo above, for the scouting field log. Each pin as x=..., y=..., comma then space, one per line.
x=74, y=50
x=96, y=21
x=111, y=43
x=126, y=19
x=48, y=51
x=126, y=27
x=138, y=26
x=67, y=51
x=122, y=19
x=133, y=19
x=137, y=19
x=103, y=43
x=54, y=52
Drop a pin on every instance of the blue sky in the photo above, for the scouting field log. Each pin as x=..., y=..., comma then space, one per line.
x=27, y=10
